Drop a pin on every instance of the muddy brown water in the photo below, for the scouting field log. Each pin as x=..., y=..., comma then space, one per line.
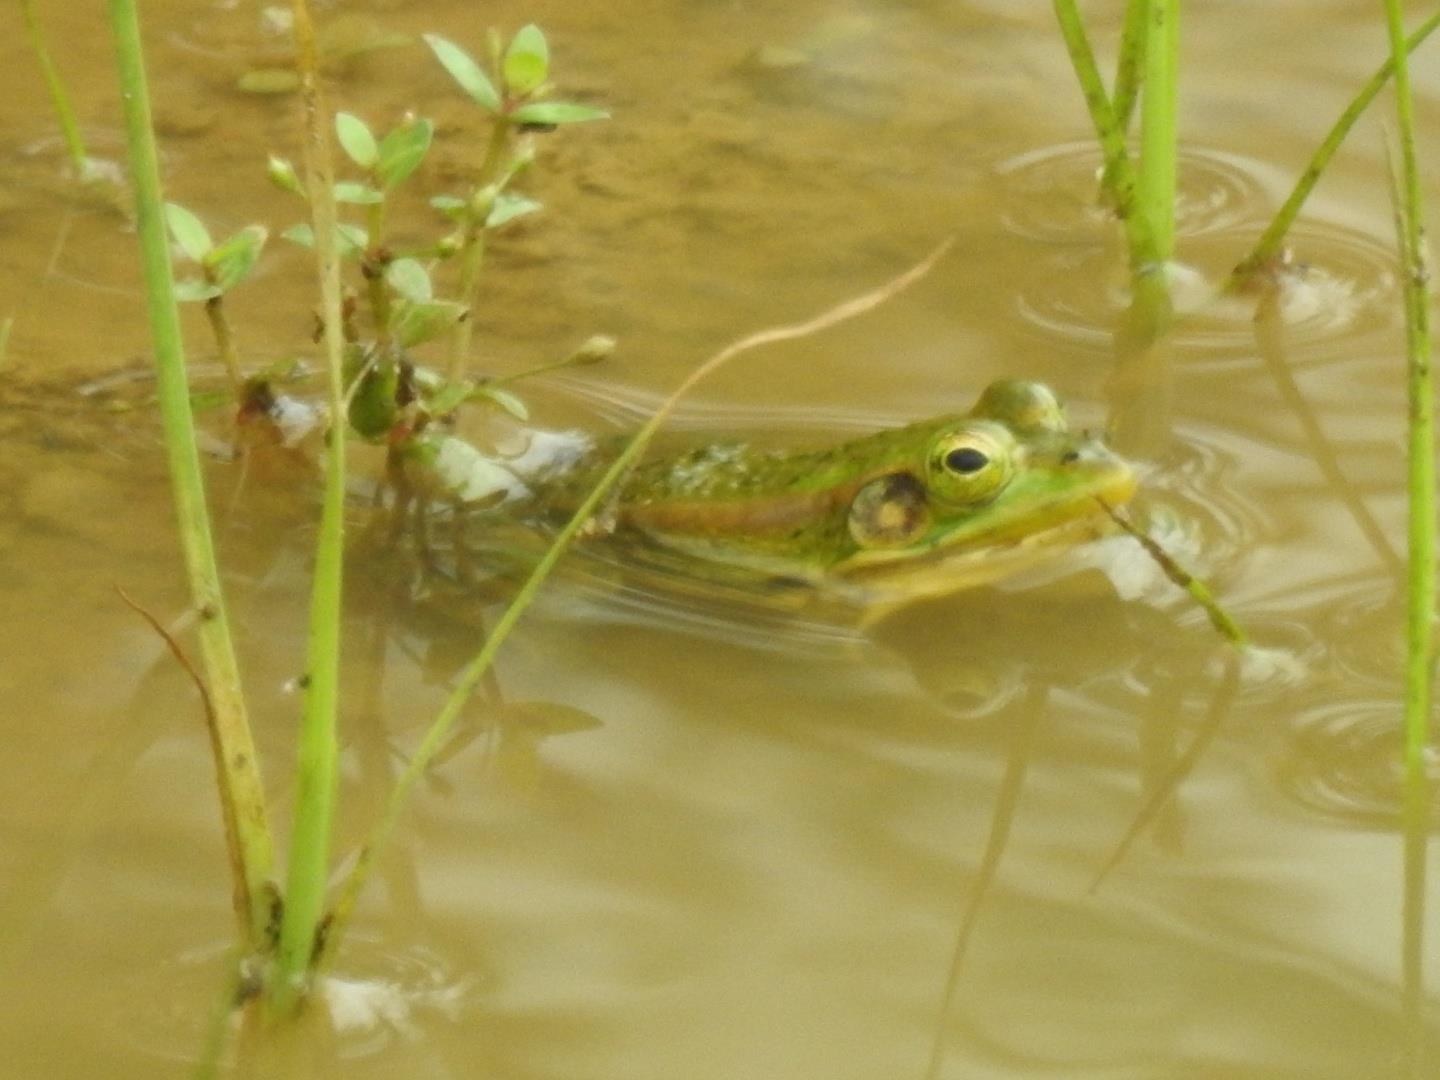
x=695, y=841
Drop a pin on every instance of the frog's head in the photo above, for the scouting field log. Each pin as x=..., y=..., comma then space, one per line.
x=1007, y=474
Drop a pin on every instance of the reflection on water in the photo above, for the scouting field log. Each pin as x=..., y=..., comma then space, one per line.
x=676, y=837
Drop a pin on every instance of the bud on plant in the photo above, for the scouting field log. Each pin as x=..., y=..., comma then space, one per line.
x=595, y=349
x=282, y=175
x=483, y=200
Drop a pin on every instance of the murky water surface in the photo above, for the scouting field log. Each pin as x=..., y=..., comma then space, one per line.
x=692, y=841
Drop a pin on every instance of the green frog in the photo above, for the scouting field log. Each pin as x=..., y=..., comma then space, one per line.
x=918, y=511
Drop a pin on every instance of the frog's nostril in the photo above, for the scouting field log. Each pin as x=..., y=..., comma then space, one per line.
x=1070, y=457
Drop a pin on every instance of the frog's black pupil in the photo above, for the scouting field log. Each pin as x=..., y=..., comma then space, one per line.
x=966, y=460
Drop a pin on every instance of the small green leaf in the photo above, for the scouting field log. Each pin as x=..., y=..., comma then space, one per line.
x=188, y=231
x=508, y=207
x=449, y=205
x=408, y=278
x=527, y=60
x=413, y=323
x=282, y=175
x=348, y=191
x=465, y=71
x=546, y=113
x=231, y=262
x=350, y=240
x=356, y=139
x=506, y=400
x=193, y=289
x=449, y=397
x=402, y=150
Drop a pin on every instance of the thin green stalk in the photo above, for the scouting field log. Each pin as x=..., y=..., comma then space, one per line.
x=225, y=342
x=375, y=264
x=242, y=796
x=439, y=732
x=1155, y=179
x=316, y=769
x=1272, y=240
x=472, y=247
x=64, y=111
x=1420, y=614
x=594, y=350
x=1219, y=618
x=1131, y=63
x=1138, y=231
x=7, y=324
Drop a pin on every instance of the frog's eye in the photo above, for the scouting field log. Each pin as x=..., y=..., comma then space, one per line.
x=972, y=465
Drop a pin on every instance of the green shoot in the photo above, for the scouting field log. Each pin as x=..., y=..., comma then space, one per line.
x=59, y=97
x=319, y=743
x=1272, y=241
x=242, y=796
x=1415, y=262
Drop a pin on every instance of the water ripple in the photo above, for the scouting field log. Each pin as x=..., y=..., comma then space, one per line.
x=1345, y=762
x=1051, y=193
x=1343, y=287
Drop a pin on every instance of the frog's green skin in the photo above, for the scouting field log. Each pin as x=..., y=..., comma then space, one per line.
x=924, y=509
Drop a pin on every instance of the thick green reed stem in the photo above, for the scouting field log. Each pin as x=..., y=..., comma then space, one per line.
x=242, y=796
x=1155, y=181
x=316, y=768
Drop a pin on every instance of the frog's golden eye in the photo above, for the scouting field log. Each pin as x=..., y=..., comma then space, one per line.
x=972, y=465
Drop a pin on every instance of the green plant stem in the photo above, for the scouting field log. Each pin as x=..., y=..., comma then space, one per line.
x=318, y=754
x=376, y=260
x=1155, y=178
x=1131, y=63
x=7, y=324
x=1272, y=240
x=439, y=731
x=1219, y=618
x=1138, y=231
x=242, y=795
x=593, y=351
x=64, y=111
x=225, y=343
x=472, y=248
x=1420, y=611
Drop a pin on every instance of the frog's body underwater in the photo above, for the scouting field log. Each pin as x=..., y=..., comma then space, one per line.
x=918, y=511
